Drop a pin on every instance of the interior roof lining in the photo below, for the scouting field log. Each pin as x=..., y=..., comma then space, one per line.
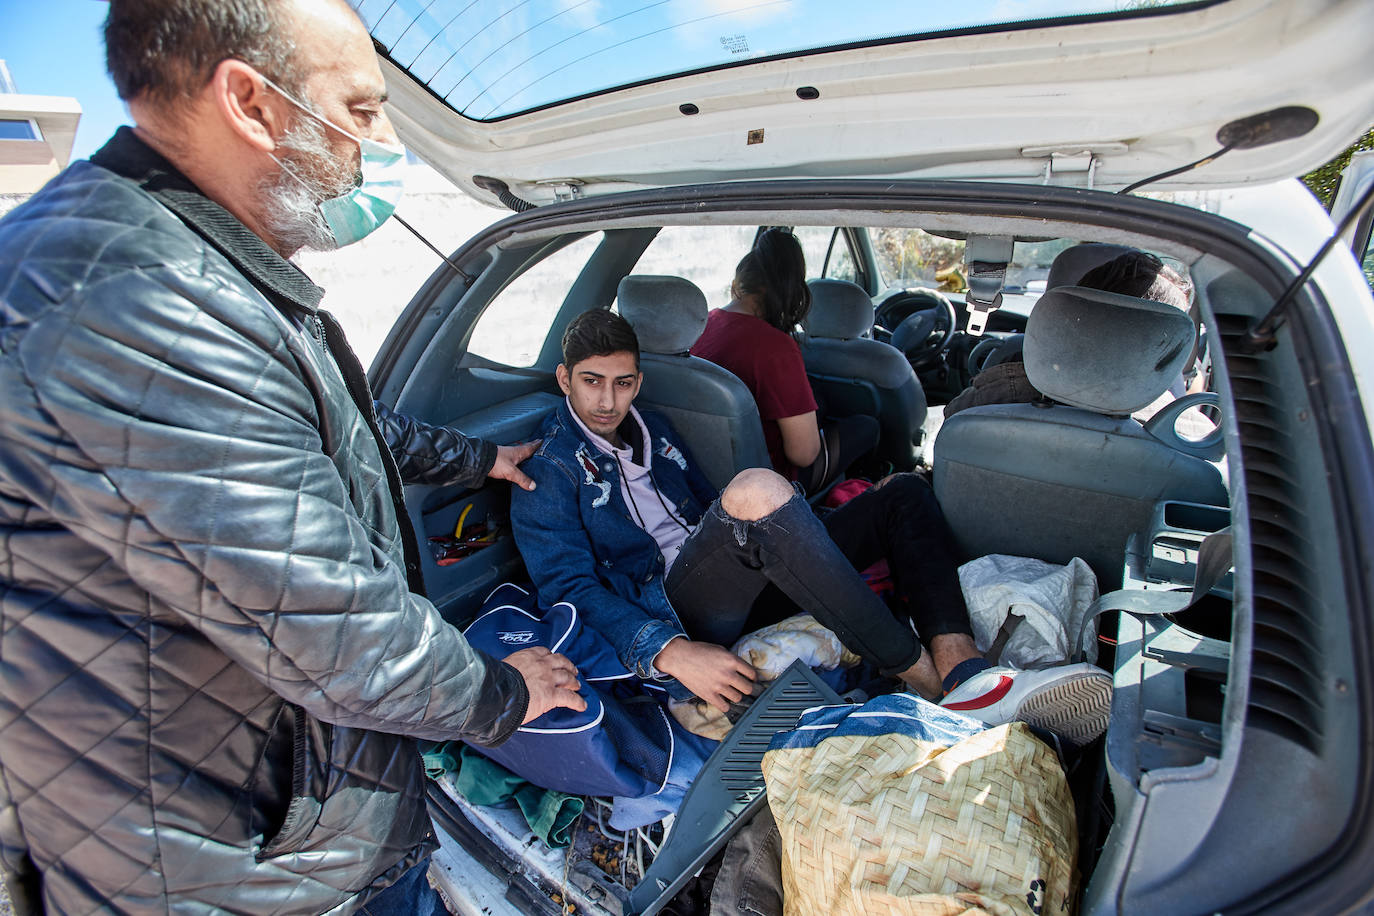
x=1018, y=226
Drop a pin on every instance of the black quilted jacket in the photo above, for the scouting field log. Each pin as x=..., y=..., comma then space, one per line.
x=214, y=660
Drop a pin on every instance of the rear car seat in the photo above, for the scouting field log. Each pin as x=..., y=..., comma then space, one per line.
x=1078, y=477
x=710, y=408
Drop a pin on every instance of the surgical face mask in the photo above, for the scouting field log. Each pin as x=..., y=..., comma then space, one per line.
x=357, y=213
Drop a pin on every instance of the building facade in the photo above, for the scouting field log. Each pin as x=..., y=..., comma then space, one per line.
x=36, y=137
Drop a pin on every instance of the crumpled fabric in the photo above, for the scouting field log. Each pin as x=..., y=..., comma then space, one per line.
x=622, y=744
x=1052, y=600
x=549, y=814
x=690, y=754
x=770, y=650
x=749, y=882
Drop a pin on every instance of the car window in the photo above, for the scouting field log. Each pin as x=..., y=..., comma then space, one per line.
x=513, y=328
x=913, y=257
x=1024, y=282
x=1030, y=265
x=827, y=254
x=1368, y=262
x=706, y=255
x=489, y=61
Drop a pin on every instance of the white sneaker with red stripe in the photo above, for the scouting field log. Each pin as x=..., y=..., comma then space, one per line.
x=1072, y=701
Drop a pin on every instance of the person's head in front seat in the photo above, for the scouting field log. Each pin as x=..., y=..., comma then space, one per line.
x=600, y=370
x=770, y=281
x=1139, y=274
x=1126, y=272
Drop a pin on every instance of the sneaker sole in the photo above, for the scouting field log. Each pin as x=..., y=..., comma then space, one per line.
x=1077, y=710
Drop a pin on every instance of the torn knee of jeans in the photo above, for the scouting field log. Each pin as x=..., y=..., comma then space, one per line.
x=756, y=493
x=741, y=527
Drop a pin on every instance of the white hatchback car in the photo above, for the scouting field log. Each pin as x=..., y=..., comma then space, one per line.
x=1237, y=774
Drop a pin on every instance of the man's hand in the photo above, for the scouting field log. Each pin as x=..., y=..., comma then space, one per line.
x=507, y=457
x=717, y=675
x=550, y=678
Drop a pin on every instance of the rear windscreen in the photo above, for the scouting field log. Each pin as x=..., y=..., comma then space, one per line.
x=490, y=59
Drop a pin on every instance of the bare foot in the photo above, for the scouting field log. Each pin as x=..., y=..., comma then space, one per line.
x=950, y=649
x=923, y=679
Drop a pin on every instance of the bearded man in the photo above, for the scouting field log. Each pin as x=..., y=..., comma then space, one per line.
x=216, y=655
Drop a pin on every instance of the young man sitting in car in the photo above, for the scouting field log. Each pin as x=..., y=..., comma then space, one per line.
x=622, y=524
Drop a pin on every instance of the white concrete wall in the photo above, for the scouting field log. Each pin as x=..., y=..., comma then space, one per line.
x=25, y=166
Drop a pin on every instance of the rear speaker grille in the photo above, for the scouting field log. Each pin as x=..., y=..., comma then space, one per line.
x=1285, y=680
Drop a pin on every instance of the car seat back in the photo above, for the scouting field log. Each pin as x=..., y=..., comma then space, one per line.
x=1076, y=477
x=854, y=374
x=710, y=408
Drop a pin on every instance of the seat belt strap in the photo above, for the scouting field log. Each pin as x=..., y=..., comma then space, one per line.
x=1213, y=563
x=1003, y=637
x=987, y=258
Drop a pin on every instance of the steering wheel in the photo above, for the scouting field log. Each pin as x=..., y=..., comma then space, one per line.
x=922, y=323
x=981, y=353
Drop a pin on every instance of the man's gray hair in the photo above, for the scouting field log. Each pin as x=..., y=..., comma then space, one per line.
x=166, y=50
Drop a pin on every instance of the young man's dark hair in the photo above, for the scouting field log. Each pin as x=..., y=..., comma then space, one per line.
x=167, y=49
x=598, y=333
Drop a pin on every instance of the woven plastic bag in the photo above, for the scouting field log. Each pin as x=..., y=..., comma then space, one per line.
x=902, y=807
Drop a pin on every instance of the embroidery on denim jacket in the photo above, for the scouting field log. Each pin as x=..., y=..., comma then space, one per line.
x=593, y=477
x=672, y=453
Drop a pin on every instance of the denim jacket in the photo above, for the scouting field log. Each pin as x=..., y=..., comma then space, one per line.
x=581, y=545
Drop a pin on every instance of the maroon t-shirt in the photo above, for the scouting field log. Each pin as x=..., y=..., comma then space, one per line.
x=769, y=363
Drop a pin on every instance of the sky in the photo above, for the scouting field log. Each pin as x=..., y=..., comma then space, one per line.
x=53, y=47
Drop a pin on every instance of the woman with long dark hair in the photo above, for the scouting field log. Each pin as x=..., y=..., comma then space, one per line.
x=754, y=337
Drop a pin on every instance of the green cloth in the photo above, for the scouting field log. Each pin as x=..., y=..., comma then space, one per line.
x=550, y=814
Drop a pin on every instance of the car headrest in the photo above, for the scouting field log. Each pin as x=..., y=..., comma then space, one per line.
x=1104, y=352
x=667, y=313
x=1070, y=265
x=840, y=310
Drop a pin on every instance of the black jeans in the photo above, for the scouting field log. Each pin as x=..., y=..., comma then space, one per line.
x=720, y=581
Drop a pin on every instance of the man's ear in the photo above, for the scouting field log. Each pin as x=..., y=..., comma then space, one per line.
x=249, y=107
x=564, y=379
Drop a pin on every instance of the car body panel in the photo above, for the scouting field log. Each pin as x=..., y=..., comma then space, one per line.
x=1091, y=104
